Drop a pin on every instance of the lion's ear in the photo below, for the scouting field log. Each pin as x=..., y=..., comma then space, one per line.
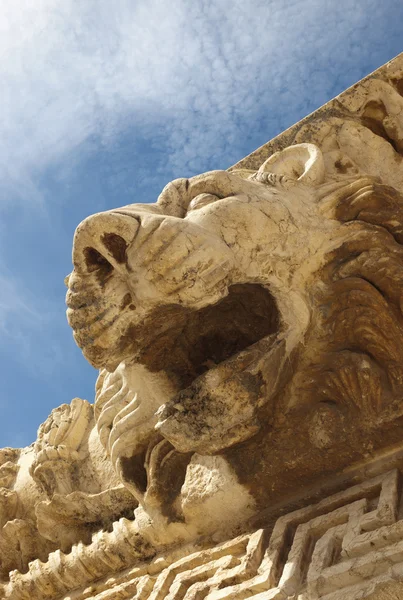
x=303, y=162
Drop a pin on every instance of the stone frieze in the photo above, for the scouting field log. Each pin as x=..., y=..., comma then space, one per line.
x=248, y=329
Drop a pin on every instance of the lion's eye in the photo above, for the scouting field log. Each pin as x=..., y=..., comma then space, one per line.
x=202, y=200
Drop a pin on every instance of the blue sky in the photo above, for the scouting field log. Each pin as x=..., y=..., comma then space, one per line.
x=102, y=103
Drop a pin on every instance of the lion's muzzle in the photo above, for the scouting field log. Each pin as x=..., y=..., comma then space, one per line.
x=133, y=266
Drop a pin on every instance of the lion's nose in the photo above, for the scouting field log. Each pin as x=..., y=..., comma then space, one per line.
x=101, y=242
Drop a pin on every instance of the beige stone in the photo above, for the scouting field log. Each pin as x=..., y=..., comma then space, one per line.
x=248, y=330
x=349, y=545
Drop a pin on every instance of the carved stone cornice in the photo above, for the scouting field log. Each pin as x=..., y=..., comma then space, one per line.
x=108, y=553
x=248, y=330
x=346, y=546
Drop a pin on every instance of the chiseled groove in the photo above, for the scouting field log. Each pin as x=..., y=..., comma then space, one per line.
x=85, y=563
x=244, y=567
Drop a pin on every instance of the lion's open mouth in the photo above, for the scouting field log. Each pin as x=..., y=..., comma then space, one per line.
x=200, y=340
x=196, y=362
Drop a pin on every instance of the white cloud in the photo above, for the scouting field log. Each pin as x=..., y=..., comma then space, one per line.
x=202, y=80
x=187, y=72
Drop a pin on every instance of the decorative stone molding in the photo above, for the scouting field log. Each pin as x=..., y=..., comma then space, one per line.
x=61, y=573
x=58, y=447
x=248, y=329
x=346, y=546
x=57, y=492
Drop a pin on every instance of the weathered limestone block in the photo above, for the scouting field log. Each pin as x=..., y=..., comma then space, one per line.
x=248, y=330
x=348, y=545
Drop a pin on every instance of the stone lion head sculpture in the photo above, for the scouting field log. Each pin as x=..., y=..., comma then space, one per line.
x=247, y=327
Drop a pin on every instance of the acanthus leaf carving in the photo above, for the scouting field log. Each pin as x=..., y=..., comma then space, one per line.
x=58, y=447
x=66, y=518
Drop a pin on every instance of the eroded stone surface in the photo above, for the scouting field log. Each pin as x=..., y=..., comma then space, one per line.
x=349, y=545
x=248, y=331
x=248, y=315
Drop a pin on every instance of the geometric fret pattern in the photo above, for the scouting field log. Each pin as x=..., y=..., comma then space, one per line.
x=344, y=541
x=346, y=544
x=349, y=546
x=336, y=549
